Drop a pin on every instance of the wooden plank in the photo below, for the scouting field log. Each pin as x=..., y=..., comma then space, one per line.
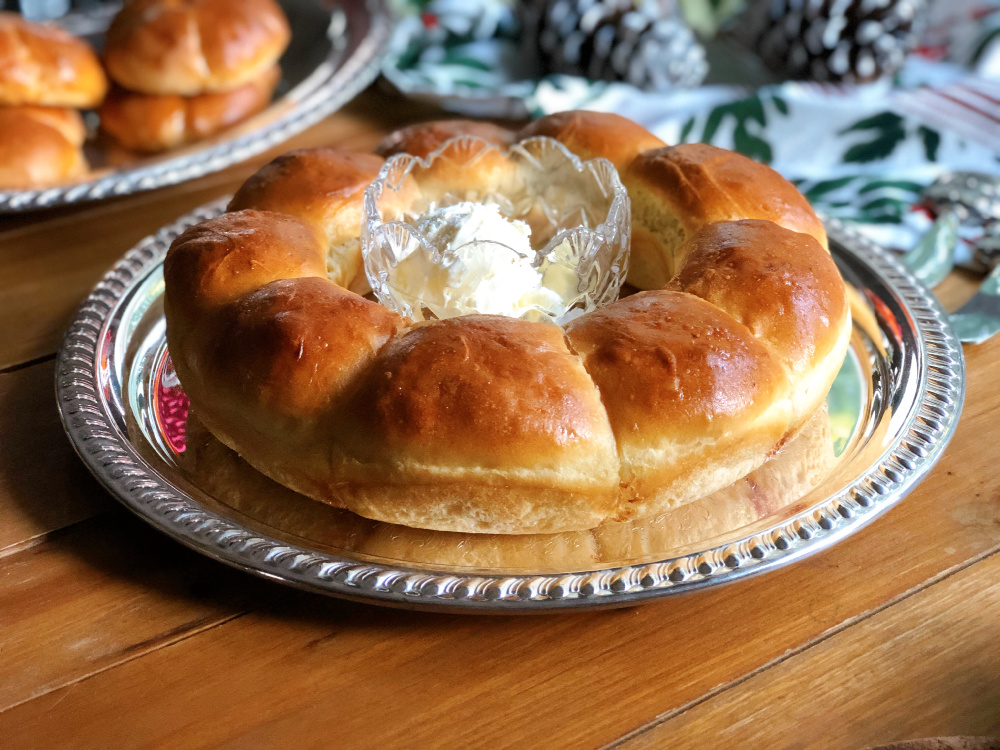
x=927, y=667
x=43, y=485
x=957, y=288
x=51, y=260
x=102, y=592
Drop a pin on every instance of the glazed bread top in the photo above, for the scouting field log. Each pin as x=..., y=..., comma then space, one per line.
x=40, y=146
x=47, y=66
x=425, y=138
x=702, y=184
x=593, y=135
x=324, y=187
x=190, y=47
x=489, y=424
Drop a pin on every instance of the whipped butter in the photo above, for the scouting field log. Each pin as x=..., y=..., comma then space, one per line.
x=483, y=265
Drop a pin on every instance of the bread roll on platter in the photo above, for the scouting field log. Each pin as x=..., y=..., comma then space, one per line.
x=191, y=47
x=40, y=146
x=323, y=187
x=595, y=135
x=46, y=66
x=149, y=123
x=492, y=424
x=425, y=138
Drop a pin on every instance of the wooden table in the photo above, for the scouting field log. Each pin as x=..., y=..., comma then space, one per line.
x=112, y=635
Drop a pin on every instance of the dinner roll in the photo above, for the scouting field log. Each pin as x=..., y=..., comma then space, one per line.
x=156, y=122
x=190, y=47
x=806, y=316
x=425, y=138
x=595, y=135
x=483, y=424
x=325, y=188
x=40, y=146
x=695, y=401
x=679, y=189
x=47, y=66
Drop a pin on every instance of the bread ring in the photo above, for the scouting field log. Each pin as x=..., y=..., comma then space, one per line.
x=490, y=424
x=191, y=47
x=149, y=122
x=40, y=146
x=47, y=66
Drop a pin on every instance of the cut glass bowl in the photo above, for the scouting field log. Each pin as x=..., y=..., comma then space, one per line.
x=578, y=213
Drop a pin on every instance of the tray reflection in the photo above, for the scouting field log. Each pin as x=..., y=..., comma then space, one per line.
x=222, y=478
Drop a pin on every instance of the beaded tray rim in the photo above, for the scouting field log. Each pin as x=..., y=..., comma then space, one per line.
x=92, y=415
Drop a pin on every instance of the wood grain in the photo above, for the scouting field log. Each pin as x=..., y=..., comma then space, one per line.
x=99, y=594
x=928, y=667
x=43, y=485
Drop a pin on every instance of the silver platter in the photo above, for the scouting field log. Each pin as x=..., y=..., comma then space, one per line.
x=335, y=52
x=893, y=410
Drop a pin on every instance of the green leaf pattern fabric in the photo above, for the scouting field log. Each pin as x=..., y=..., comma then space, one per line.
x=862, y=154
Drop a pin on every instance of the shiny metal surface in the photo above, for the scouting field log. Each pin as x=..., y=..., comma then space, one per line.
x=891, y=415
x=335, y=52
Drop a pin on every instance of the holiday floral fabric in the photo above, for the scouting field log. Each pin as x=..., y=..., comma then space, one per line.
x=860, y=153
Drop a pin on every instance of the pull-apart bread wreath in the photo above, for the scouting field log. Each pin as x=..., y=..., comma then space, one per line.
x=492, y=424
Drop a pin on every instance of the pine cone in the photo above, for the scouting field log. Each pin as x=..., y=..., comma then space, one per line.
x=850, y=41
x=616, y=40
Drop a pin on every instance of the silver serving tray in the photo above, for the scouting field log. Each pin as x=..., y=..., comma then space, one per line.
x=335, y=52
x=894, y=408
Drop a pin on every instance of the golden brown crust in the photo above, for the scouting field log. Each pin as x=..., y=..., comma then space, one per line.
x=425, y=138
x=785, y=288
x=155, y=122
x=595, y=135
x=216, y=262
x=273, y=350
x=40, y=146
x=483, y=423
x=666, y=359
x=683, y=384
x=780, y=284
x=486, y=390
x=324, y=187
x=702, y=184
x=46, y=66
x=191, y=47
